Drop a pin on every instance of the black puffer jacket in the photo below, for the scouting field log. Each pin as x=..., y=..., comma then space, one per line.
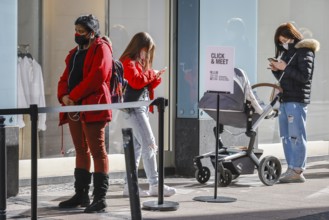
x=297, y=79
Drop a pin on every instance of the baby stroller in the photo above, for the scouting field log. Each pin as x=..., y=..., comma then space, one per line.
x=240, y=110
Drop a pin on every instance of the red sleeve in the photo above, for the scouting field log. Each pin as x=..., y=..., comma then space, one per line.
x=135, y=76
x=155, y=83
x=62, y=87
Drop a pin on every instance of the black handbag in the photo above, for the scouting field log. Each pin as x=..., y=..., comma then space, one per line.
x=133, y=95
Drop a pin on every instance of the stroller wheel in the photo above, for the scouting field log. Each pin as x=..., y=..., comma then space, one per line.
x=269, y=170
x=203, y=175
x=224, y=179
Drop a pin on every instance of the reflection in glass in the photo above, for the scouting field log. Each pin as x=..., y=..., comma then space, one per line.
x=187, y=71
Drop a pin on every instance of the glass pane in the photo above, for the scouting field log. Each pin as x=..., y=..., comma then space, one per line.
x=8, y=59
x=187, y=58
x=58, y=38
x=128, y=17
x=222, y=23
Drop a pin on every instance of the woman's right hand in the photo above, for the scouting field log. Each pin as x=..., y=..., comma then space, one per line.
x=159, y=73
x=280, y=65
x=272, y=67
x=67, y=101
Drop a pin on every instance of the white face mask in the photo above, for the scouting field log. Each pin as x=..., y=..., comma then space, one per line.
x=286, y=45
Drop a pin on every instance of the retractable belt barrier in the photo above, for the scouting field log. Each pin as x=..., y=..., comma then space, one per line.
x=33, y=111
x=98, y=107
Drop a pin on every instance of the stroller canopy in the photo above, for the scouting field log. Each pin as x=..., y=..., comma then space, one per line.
x=232, y=107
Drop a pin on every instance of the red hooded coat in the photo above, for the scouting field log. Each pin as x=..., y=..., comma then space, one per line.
x=94, y=87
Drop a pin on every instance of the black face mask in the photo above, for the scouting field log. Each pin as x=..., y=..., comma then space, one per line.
x=81, y=39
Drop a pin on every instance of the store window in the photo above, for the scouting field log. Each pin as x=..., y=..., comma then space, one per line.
x=50, y=36
x=187, y=58
x=48, y=27
x=223, y=24
x=212, y=23
x=127, y=18
x=258, y=21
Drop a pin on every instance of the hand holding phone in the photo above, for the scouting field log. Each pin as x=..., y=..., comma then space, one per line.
x=271, y=59
x=161, y=72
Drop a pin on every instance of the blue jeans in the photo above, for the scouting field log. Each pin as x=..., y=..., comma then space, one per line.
x=292, y=121
x=138, y=120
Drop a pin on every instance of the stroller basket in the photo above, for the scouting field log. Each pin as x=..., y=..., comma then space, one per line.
x=240, y=166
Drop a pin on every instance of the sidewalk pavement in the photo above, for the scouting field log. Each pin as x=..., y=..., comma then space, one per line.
x=254, y=201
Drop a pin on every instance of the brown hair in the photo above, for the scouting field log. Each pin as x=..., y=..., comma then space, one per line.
x=287, y=30
x=137, y=43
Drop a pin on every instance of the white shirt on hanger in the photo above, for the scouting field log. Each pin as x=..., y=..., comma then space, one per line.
x=30, y=89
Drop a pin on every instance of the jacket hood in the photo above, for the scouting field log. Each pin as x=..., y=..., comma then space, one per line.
x=308, y=43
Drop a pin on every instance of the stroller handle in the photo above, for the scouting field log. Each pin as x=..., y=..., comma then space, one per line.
x=267, y=85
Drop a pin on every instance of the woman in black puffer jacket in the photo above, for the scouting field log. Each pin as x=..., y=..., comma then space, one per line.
x=294, y=71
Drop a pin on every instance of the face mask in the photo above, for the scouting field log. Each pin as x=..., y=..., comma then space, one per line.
x=81, y=39
x=285, y=46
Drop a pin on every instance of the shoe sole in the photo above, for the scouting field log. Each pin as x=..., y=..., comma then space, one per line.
x=292, y=181
x=72, y=207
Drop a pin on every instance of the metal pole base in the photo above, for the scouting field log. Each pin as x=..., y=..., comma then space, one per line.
x=219, y=199
x=155, y=206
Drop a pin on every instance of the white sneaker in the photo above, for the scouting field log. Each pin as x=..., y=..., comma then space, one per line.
x=292, y=177
x=285, y=173
x=142, y=193
x=167, y=190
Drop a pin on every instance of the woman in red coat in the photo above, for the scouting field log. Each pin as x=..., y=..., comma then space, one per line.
x=85, y=81
x=142, y=79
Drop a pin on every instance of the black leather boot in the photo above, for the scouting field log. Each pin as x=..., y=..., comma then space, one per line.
x=101, y=185
x=81, y=185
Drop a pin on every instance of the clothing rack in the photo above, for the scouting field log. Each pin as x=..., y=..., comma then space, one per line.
x=23, y=50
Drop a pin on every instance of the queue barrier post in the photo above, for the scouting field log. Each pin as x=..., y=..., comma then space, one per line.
x=3, y=170
x=161, y=205
x=132, y=179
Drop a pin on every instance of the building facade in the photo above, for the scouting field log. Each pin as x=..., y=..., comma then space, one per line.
x=182, y=31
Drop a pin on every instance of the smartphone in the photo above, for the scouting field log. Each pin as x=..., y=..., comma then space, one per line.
x=163, y=70
x=271, y=59
x=160, y=72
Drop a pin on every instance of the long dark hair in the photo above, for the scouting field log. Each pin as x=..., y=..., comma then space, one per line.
x=287, y=30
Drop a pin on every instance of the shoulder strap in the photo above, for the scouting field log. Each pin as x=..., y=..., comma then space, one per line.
x=287, y=65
